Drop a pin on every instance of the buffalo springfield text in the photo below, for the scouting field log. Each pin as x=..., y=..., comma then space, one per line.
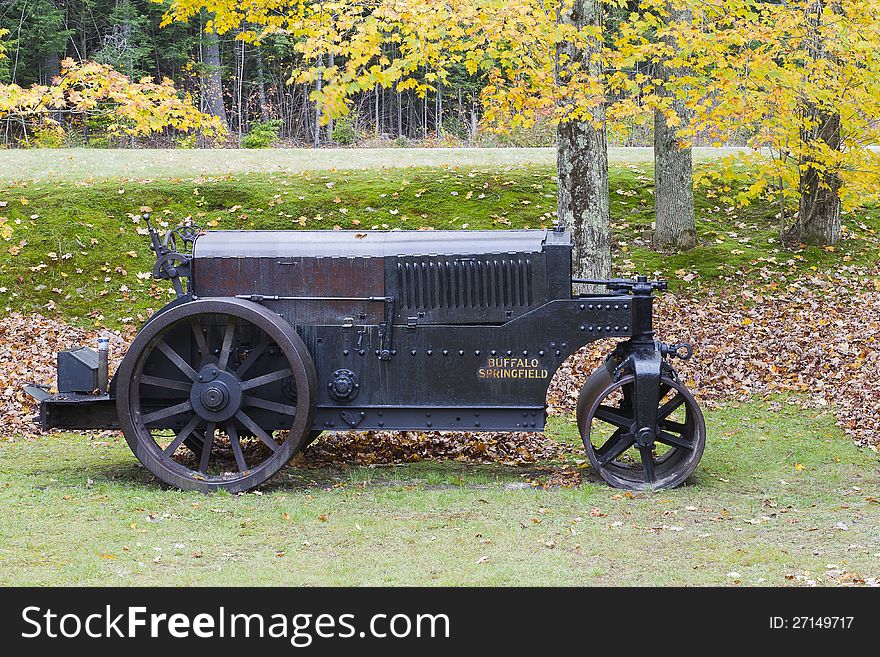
x=512, y=368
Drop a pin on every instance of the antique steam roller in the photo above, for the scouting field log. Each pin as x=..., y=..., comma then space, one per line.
x=277, y=336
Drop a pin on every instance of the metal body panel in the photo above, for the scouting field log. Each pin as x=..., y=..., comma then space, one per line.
x=363, y=244
x=295, y=276
x=507, y=366
x=78, y=411
x=428, y=277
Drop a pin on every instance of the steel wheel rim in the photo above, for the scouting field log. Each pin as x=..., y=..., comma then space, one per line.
x=219, y=421
x=683, y=444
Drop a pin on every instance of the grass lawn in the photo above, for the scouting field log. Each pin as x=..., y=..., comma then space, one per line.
x=83, y=164
x=780, y=498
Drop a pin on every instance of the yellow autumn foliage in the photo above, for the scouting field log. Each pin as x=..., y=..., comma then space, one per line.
x=89, y=89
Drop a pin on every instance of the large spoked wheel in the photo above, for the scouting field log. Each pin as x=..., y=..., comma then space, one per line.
x=608, y=429
x=216, y=393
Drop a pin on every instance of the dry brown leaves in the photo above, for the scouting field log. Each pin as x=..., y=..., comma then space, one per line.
x=28, y=344
x=379, y=447
x=818, y=338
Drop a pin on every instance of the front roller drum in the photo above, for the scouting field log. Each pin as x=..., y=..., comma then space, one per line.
x=216, y=394
x=623, y=458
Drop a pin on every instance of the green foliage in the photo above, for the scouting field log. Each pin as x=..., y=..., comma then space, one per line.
x=455, y=127
x=37, y=29
x=127, y=43
x=4, y=60
x=540, y=133
x=186, y=142
x=345, y=131
x=47, y=137
x=100, y=141
x=262, y=135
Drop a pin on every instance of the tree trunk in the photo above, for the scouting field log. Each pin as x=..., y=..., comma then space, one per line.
x=582, y=162
x=331, y=123
x=261, y=87
x=212, y=78
x=819, y=208
x=239, y=89
x=676, y=227
x=818, y=219
x=319, y=86
x=475, y=121
x=378, y=129
x=51, y=67
x=438, y=111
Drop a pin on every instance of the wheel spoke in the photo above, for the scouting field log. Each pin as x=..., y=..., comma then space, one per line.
x=674, y=441
x=242, y=417
x=206, y=448
x=616, y=445
x=613, y=416
x=648, y=464
x=236, y=446
x=170, y=411
x=257, y=402
x=178, y=360
x=677, y=427
x=200, y=337
x=168, y=384
x=266, y=379
x=227, y=343
x=666, y=410
x=252, y=357
x=183, y=435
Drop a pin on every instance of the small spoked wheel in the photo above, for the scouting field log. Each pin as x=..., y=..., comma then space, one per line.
x=663, y=457
x=216, y=393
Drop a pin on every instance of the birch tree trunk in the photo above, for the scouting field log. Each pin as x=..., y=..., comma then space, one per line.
x=582, y=163
x=331, y=123
x=319, y=85
x=675, y=223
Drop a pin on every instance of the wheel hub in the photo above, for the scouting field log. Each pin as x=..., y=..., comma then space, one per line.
x=216, y=395
x=645, y=437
